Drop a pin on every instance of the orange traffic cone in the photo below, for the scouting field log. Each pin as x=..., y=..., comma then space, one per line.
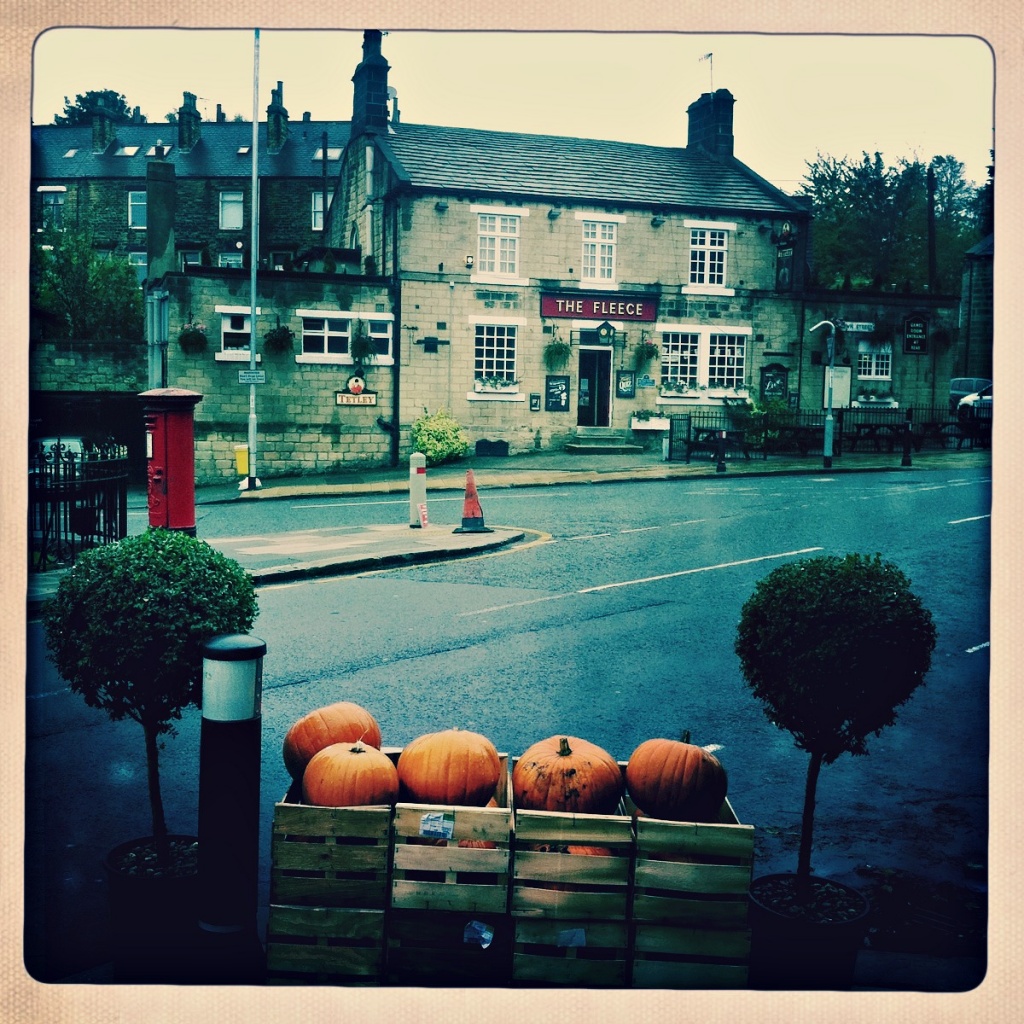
x=472, y=514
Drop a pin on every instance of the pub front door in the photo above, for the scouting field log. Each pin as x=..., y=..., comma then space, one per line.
x=593, y=403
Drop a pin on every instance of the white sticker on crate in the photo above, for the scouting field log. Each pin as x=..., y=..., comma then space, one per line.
x=572, y=937
x=477, y=933
x=438, y=825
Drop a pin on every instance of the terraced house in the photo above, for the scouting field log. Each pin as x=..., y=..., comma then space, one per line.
x=544, y=289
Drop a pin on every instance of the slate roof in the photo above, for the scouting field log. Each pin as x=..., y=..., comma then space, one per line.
x=986, y=247
x=433, y=159
x=476, y=161
x=215, y=155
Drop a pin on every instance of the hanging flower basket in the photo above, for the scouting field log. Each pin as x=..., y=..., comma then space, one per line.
x=280, y=339
x=192, y=338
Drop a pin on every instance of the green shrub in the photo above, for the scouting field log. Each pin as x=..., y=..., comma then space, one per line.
x=439, y=437
x=127, y=625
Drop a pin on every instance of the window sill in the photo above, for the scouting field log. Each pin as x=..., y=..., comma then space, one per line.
x=239, y=356
x=498, y=279
x=331, y=359
x=495, y=396
x=706, y=289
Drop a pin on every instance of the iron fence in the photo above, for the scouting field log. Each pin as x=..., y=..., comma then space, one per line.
x=854, y=430
x=77, y=498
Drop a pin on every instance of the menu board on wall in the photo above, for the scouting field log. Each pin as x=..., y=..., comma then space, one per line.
x=556, y=393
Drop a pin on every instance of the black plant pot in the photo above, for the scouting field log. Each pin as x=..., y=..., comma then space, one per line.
x=818, y=950
x=153, y=916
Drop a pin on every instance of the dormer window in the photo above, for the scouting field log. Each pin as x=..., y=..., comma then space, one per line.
x=126, y=150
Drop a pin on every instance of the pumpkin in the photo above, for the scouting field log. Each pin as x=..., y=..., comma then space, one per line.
x=676, y=780
x=454, y=766
x=349, y=775
x=565, y=773
x=343, y=722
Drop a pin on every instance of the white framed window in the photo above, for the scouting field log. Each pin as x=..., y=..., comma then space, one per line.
x=279, y=259
x=494, y=351
x=230, y=259
x=235, y=332
x=190, y=258
x=324, y=335
x=679, y=358
x=327, y=335
x=600, y=238
x=53, y=206
x=140, y=261
x=137, y=210
x=700, y=358
x=231, y=211
x=709, y=257
x=874, y=361
x=318, y=209
x=498, y=253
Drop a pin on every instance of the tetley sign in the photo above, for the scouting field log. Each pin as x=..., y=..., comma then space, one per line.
x=598, y=306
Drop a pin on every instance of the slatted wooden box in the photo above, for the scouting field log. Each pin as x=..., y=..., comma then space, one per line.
x=447, y=948
x=436, y=869
x=689, y=905
x=329, y=888
x=581, y=953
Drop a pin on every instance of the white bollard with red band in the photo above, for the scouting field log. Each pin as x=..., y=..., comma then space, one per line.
x=417, y=490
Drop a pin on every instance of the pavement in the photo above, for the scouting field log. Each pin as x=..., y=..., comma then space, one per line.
x=277, y=555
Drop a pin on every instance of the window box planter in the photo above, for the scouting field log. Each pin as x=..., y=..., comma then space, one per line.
x=650, y=423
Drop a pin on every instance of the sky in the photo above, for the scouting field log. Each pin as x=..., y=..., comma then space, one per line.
x=796, y=95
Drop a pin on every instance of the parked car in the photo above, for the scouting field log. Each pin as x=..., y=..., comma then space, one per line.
x=961, y=387
x=976, y=406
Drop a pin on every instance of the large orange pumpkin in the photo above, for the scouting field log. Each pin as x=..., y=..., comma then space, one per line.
x=675, y=780
x=349, y=775
x=343, y=722
x=565, y=773
x=454, y=766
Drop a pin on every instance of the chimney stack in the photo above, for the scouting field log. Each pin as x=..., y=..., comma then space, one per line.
x=103, y=129
x=370, y=93
x=277, y=120
x=710, y=123
x=188, y=123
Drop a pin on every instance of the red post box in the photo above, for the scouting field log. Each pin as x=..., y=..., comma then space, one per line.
x=170, y=457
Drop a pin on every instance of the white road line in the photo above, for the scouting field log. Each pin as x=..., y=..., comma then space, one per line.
x=587, y=536
x=980, y=647
x=515, y=604
x=430, y=500
x=641, y=529
x=688, y=572
x=969, y=519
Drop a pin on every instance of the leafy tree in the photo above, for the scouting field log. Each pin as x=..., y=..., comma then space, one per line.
x=871, y=221
x=80, y=112
x=831, y=646
x=127, y=626
x=82, y=294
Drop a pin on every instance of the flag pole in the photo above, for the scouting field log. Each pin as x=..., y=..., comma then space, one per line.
x=252, y=482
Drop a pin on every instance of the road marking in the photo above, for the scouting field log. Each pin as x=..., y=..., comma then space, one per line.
x=641, y=529
x=970, y=519
x=515, y=604
x=430, y=499
x=980, y=647
x=704, y=568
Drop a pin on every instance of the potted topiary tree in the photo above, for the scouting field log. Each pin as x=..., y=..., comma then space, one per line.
x=125, y=629
x=831, y=646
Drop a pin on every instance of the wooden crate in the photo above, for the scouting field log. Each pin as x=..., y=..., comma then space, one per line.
x=330, y=856
x=571, y=953
x=325, y=945
x=433, y=869
x=689, y=906
x=428, y=948
x=548, y=881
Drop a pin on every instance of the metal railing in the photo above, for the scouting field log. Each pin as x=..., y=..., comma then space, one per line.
x=77, y=498
x=855, y=430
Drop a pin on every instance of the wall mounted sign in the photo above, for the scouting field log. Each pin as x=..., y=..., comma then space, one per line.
x=556, y=394
x=645, y=380
x=252, y=376
x=915, y=335
x=625, y=384
x=598, y=306
x=356, y=393
x=534, y=402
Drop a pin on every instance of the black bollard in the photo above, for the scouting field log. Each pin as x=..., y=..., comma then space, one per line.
x=907, y=440
x=229, y=809
x=720, y=468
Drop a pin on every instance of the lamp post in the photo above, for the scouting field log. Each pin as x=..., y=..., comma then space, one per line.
x=831, y=348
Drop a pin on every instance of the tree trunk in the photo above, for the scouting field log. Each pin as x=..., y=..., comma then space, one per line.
x=156, y=802
x=803, y=865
